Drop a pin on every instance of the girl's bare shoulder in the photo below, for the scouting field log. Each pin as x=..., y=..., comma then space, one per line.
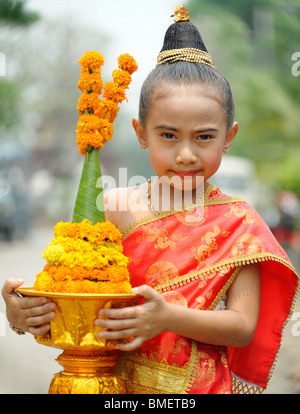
x=125, y=205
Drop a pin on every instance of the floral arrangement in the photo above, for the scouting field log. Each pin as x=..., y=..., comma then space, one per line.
x=97, y=115
x=86, y=255
x=83, y=258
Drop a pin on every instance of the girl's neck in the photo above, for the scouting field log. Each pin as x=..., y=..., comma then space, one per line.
x=163, y=197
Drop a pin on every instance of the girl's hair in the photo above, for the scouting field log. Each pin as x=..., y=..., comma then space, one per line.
x=186, y=73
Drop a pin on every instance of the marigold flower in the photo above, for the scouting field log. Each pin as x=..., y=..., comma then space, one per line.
x=112, y=273
x=98, y=233
x=121, y=78
x=92, y=131
x=128, y=63
x=88, y=103
x=91, y=60
x=114, y=92
x=85, y=286
x=107, y=109
x=90, y=82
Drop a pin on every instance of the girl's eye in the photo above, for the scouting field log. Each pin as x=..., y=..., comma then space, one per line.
x=204, y=137
x=168, y=135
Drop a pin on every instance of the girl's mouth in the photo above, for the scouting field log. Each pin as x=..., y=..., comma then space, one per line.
x=189, y=173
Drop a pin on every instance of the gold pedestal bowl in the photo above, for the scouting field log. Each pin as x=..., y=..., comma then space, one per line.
x=89, y=362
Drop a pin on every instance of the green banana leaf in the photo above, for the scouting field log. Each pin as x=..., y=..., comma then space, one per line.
x=89, y=202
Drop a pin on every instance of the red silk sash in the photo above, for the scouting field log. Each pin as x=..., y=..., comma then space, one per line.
x=191, y=258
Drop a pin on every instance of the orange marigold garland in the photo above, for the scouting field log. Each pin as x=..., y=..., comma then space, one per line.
x=91, y=84
x=86, y=255
x=83, y=258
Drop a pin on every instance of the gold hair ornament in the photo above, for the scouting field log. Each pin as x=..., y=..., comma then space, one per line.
x=181, y=14
x=184, y=54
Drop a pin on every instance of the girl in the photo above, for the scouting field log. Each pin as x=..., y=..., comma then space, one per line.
x=217, y=287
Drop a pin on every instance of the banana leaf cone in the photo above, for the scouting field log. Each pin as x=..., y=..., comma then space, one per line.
x=89, y=202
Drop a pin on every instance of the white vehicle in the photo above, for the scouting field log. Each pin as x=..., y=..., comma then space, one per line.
x=237, y=177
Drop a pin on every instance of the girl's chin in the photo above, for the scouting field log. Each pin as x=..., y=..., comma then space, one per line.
x=183, y=183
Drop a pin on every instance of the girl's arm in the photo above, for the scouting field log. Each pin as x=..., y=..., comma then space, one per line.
x=234, y=326
x=31, y=314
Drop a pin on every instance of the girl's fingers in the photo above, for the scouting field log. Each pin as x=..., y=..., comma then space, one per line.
x=146, y=291
x=117, y=324
x=32, y=302
x=39, y=310
x=39, y=330
x=122, y=334
x=40, y=320
x=123, y=313
x=9, y=286
x=130, y=346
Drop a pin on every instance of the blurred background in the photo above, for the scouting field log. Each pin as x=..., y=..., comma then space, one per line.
x=252, y=42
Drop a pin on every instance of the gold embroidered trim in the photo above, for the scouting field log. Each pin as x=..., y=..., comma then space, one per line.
x=193, y=364
x=240, y=387
x=148, y=376
x=225, y=288
x=232, y=262
x=282, y=331
x=157, y=215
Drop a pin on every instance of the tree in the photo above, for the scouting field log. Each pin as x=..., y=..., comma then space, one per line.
x=13, y=12
x=252, y=43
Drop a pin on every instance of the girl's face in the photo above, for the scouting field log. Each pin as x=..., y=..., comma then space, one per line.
x=186, y=132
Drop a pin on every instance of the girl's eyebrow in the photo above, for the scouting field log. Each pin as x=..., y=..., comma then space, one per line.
x=166, y=127
x=198, y=131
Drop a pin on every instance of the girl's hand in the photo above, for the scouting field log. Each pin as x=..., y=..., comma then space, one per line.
x=142, y=322
x=31, y=314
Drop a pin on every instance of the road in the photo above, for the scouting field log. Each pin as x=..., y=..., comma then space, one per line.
x=27, y=367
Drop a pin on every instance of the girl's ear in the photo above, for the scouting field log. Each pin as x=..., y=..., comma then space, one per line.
x=230, y=137
x=140, y=133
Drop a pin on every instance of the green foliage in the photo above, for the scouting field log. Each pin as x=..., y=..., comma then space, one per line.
x=13, y=12
x=9, y=108
x=89, y=202
x=252, y=42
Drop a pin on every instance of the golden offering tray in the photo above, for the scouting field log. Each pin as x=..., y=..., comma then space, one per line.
x=89, y=362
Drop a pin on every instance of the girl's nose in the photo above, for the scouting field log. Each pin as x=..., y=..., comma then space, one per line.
x=186, y=156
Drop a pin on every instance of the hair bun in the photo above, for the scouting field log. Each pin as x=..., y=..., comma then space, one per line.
x=183, y=42
x=183, y=34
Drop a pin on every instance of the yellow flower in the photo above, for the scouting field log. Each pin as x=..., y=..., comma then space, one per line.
x=92, y=131
x=85, y=258
x=114, y=92
x=121, y=78
x=127, y=62
x=53, y=253
x=111, y=273
x=99, y=259
x=88, y=102
x=98, y=233
x=107, y=109
x=90, y=82
x=88, y=123
x=91, y=61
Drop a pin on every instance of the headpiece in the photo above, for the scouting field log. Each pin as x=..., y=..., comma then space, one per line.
x=183, y=41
